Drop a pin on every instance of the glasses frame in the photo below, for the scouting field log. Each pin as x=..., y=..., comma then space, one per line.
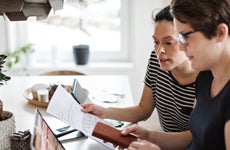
x=183, y=37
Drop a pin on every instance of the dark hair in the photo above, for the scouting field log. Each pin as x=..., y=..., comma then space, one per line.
x=163, y=14
x=202, y=15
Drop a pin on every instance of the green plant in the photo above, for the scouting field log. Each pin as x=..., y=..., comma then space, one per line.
x=3, y=77
x=7, y=122
x=15, y=56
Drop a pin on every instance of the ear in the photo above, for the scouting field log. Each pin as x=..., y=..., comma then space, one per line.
x=222, y=32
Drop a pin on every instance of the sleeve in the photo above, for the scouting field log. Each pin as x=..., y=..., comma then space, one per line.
x=147, y=76
x=152, y=69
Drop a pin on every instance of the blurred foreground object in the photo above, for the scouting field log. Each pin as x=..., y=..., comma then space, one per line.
x=19, y=10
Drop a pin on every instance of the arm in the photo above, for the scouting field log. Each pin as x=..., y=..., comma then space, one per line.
x=165, y=140
x=132, y=114
x=227, y=135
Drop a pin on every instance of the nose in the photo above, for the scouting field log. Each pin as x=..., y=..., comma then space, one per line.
x=160, y=49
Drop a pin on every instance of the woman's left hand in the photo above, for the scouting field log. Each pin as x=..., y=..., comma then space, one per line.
x=143, y=145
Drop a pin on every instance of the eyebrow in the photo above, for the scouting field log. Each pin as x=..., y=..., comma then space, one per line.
x=164, y=37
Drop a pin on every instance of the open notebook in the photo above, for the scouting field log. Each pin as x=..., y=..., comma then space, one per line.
x=43, y=137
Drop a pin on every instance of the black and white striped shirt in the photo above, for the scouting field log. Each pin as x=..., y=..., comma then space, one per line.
x=173, y=101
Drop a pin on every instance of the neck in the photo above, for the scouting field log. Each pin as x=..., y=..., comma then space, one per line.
x=184, y=74
x=221, y=75
x=221, y=68
x=218, y=82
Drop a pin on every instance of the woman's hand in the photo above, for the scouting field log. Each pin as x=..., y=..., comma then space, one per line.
x=143, y=145
x=137, y=131
x=94, y=109
x=140, y=145
x=141, y=133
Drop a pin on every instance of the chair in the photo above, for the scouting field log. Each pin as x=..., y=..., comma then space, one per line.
x=61, y=72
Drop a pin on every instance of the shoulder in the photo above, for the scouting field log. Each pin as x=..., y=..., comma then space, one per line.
x=153, y=59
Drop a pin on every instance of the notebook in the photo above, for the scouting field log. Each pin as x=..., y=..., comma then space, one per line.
x=43, y=137
x=112, y=135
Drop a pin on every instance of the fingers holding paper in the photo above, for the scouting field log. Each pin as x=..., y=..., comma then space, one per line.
x=94, y=109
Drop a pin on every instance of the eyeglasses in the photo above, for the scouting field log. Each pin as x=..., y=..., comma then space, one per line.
x=183, y=37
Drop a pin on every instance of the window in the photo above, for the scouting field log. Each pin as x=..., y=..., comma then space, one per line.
x=102, y=24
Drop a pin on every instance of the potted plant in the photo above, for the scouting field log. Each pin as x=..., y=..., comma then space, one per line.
x=3, y=77
x=15, y=56
x=7, y=121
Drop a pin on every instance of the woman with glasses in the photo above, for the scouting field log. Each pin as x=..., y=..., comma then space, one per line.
x=169, y=83
x=204, y=31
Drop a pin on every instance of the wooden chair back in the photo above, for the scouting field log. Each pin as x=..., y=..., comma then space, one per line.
x=61, y=72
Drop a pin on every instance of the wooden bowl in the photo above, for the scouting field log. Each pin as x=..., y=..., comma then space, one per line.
x=34, y=101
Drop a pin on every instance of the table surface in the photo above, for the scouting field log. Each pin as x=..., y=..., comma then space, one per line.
x=13, y=100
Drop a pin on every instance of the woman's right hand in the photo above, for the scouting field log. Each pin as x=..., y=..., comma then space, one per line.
x=143, y=136
x=94, y=109
x=137, y=131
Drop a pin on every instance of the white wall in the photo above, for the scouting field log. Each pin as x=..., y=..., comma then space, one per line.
x=142, y=44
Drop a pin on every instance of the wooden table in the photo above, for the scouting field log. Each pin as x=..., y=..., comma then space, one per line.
x=12, y=96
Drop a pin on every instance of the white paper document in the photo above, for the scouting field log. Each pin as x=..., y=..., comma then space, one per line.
x=64, y=107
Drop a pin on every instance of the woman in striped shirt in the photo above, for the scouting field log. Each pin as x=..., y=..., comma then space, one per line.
x=169, y=83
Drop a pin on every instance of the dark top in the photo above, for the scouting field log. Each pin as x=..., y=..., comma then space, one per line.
x=209, y=116
x=174, y=102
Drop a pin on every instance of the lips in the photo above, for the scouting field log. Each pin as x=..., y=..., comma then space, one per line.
x=163, y=60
